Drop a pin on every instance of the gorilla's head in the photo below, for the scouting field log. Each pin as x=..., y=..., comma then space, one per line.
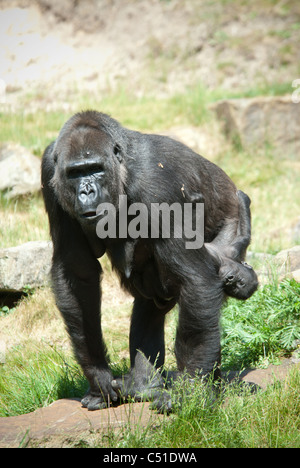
x=89, y=166
x=240, y=280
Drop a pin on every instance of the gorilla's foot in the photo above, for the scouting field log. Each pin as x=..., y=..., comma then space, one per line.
x=143, y=383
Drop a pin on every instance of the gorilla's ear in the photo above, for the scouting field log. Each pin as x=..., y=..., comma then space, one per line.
x=117, y=152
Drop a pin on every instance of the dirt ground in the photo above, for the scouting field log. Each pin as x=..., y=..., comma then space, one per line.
x=56, y=48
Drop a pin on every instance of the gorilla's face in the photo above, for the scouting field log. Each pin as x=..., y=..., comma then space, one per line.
x=87, y=172
x=240, y=280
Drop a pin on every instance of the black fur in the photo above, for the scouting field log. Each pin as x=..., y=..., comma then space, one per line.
x=239, y=278
x=94, y=160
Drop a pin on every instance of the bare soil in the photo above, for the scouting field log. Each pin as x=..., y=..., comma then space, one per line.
x=53, y=49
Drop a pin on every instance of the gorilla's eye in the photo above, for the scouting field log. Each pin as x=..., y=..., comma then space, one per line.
x=84, y=169
x=247, y=265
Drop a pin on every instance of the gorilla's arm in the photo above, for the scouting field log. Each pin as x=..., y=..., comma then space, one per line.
x=232, y=242
x=229, y=250
x=237, y=250
x=76, y=282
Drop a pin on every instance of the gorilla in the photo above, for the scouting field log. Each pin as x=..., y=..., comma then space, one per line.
x=239, y=279
x=95, y=161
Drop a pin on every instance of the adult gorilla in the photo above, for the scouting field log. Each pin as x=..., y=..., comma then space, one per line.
x=94, y=160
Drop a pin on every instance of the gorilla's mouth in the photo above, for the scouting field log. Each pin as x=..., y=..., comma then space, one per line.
x=89, y=215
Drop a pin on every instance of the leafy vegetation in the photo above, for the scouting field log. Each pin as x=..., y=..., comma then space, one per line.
x=262, y=328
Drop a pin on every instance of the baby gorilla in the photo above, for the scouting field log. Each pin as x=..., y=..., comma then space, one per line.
x=228, y=251
x=239, y=278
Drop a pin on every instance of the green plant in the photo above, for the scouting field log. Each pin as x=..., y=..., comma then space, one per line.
x=31, y=378
x=234, y=418
x=263, y=328
x=5, y=310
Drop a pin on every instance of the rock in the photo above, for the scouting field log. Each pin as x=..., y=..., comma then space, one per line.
x=262, y=119
x=26, y=265
x=264, y=377
x=20, y=171
x=207, y=140
x=295, y=275
x=68, y=417
x=288, y=260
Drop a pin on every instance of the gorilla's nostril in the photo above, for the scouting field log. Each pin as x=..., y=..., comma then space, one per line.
x=87, y=190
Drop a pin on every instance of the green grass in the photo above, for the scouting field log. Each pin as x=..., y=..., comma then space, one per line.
x=36, y=129
x=262, y=89
x=256, y=332
x=36, y=375
x=271, y=182
x=33, y=130
x=22, y=220
x=238, y=419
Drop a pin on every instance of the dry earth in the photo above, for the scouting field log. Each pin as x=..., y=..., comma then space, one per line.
x=56, y=49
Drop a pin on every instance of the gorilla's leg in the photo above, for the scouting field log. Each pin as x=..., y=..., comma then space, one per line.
x=197, y=346
x=147, y=332
x=78, y=300
x=147, y=352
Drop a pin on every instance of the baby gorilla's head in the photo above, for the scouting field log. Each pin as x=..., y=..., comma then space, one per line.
x=240, y=280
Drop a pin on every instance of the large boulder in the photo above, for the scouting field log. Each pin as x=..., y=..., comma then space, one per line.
x=52, y=426
x=207, y=139
x=262, y=119
x=20, y=171
x=288, y=262
x=27, y=265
